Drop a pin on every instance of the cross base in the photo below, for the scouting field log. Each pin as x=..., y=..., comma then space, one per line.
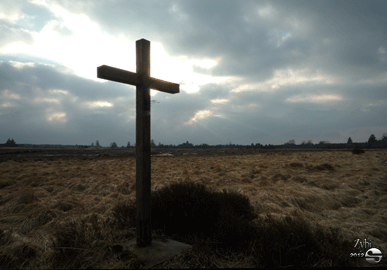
x=159, y=251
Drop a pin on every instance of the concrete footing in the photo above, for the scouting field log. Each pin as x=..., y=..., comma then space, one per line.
x=159, y=251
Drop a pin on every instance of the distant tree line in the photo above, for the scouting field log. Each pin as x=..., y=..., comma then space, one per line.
x=371, y=143
x=10, y=143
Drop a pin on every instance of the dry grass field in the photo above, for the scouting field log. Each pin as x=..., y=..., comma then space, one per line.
x=42, y=199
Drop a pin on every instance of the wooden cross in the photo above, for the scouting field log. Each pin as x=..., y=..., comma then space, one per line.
x=143, y=82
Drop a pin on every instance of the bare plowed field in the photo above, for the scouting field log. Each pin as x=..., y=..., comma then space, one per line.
x=42, y=190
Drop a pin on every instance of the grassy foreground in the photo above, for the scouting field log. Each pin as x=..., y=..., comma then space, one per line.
x=261, y=210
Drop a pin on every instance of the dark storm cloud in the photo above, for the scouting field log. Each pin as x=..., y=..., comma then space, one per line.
x=31, y=96
x=350, y=31
x=331, y=36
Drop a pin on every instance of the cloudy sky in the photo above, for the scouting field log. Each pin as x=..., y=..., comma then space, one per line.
x=249, y=71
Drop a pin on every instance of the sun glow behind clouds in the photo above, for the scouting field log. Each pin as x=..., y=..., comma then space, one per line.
x=11, y=13
x=83, y=48
x=180, y=70
x=77, y=43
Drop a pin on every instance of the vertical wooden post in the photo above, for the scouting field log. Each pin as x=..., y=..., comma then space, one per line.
x=143, y=82
x=143, y=157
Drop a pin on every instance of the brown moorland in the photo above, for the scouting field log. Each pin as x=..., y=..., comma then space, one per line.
x=52, y=197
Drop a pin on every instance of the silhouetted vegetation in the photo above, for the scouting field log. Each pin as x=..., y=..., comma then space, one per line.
x=372, y=139
x=291, y=144
x=188, y=208
x=113, y=145
x=225, y=223
x=357, y=150
x=10, y=143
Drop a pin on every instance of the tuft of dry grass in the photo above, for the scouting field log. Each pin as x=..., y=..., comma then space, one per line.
x=59, y=213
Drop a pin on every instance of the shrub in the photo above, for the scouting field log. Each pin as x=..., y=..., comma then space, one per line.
x=293, y=242
x=357, y=150
x=195, y=214
x=192, y=213
x=222, y=222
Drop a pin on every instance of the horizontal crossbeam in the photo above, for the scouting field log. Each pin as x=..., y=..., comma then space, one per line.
x=132, y=78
